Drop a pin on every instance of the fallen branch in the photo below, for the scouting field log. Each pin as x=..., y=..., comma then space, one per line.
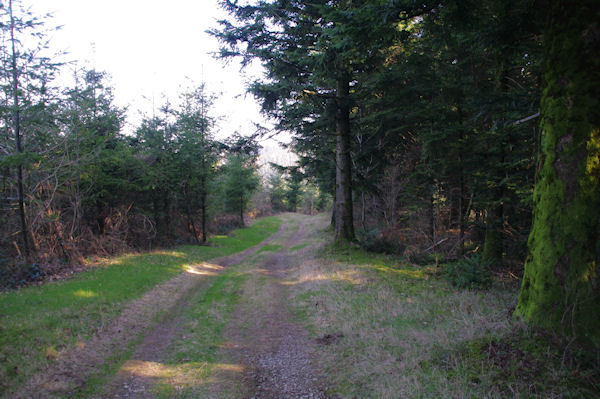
x=530, y=117
x=436, y=244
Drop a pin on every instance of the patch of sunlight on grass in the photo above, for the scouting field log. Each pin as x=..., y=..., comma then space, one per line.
x=219, y=236
x=236, y=368
x=85, y=293
x=151, y=369
x=414, y=273
x=204, y=268
x=126, y=258
x=349, y=276
x=176, y=254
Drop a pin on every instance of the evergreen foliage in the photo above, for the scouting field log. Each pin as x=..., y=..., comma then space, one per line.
x=472, y=272
x=87, y=187
x=241, y=180
x=430, y=113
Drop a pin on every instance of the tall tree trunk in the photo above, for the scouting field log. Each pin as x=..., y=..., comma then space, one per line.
x=560, y=284
x=203, y=208
x=431, y=216
x=16, y=122
x=242, y=210
x=492, y=245
x=203, y=167
x=344, y=223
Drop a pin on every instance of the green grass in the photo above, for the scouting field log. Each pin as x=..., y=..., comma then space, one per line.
x=529, y=362
x=270, y=248
x=37, y=323
x=300, y=246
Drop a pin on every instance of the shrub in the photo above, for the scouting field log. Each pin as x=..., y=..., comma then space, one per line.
x=470, y=272
x=18, y=274
x=386, y=242
x=223, y=224
x=423, y=258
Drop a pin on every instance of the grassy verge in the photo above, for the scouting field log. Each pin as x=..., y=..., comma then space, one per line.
x=387, y=329
x=38, y=323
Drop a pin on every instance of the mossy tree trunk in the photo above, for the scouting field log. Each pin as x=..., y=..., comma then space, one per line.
x=561, y=287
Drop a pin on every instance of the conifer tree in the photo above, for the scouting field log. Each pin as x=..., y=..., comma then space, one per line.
x=197, y=154
x=26, y=74
x=313, y=53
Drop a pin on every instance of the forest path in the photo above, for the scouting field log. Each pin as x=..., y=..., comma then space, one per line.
x=136, y=376
x=263, y=335
x=261, y=351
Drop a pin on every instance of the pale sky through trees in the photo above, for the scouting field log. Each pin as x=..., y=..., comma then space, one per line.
x=150, y=49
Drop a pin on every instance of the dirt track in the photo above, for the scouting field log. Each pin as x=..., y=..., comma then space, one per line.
x=274, y=349
x=269, y=353
x=136, y=377
x=154, y=316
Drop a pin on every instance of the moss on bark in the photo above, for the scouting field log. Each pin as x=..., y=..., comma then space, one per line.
x=560, y=288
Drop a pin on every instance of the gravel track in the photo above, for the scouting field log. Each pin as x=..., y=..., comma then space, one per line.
x=277, y=354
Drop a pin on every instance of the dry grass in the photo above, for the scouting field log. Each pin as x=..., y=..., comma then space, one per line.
x=390, y=330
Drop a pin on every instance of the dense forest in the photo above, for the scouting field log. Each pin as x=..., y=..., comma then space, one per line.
x=444, y=131
x=447, y=129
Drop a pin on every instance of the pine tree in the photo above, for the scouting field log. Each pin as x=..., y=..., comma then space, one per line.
x=241, y=180
x=313, y=54
x=99, y=176
x=26, y=74
x=197, y=154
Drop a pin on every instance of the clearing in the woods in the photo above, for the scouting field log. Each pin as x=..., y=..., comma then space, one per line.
x=272, y=312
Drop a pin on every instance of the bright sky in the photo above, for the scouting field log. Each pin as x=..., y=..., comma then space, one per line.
x=151, y=48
